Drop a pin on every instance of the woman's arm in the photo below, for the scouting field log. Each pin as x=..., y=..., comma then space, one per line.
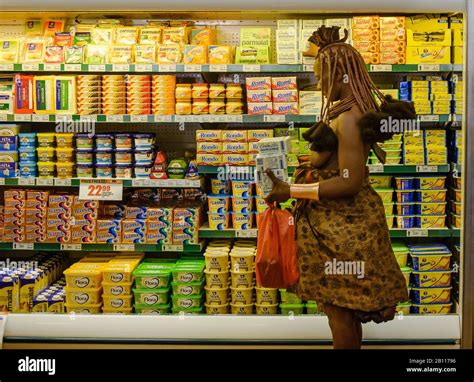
x=318, y=159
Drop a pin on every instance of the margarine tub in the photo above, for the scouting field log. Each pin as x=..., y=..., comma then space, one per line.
x=187, y=289
x=123, y=156
x=152, y=309
x=84, y=141
x=431, y=182
x=432, y=195
x=217, y=309
x=142, y=171
x=144, y=141
x=405, y=182
x=406, y=271
x=432, y=278
x=64, y=154
x=406, y=208
x=261, y=204
x=241, y=309
x=403, y=308
x=104, y=157
x=291, y=309
x=187, y=311
x=432, y=221
x=116, y=302
x=266, y=309
x=218, y=203
x=288, y=297
x=431, y=208
x=220, y=187
x=28, y=169
x=46, y=169
x=123, y=171
x=406, y=221
x=151, y=296
x=152, y=278
x=242, y=205
x=104, y=141
x=64, y=140
x=114, y=289
x=217, y=261
x=143, y=156
x=188, y=274
x=104, y=170
x=242, y=279
x=83, y=278
x=456, y=207
x=380, y=181
x=187, y=302
x=83, y=309
x=85, y=170
x=242, y=261
x=405, y=196
x=46, y=139
x=217, y=279
x=27, y=140
x=390, y=221
x=242, y=221
x=385, y=193
x=85, y=156
x=434, y=261
x=431, y=295
x=401, y=253
x=217, y=296
x=242, y=188
x=123, y=141
x=45, y=154
x=241, y=296
x=27, y=154
x=456, y=194
x=78, y=296
x=431, y=308
x=119, y=310
x=266, y=296
x=118, y=273
x=65, y=169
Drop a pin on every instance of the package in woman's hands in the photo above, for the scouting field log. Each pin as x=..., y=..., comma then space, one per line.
x=277, y=163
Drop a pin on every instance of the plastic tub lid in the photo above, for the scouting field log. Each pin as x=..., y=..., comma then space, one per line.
x=103, y=135
x=144, y=135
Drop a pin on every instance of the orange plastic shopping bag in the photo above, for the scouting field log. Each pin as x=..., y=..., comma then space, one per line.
x=276, y=262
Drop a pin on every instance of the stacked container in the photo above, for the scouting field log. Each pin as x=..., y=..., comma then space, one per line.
x=217, y=277
x=114, y=95
x=163, y=94
x=89, y=90
x=27, y=155
x=242, y=275
x=138, y=94
x=188, y=277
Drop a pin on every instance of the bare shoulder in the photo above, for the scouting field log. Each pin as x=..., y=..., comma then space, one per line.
x=347, y=124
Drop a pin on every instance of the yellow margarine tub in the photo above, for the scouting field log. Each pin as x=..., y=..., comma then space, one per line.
x=242, y=260
x=432, y=195
x=46, y=169
x=403, y=308
x=432, y=182
x=432, y=278
x=432, y=208
x=390, y=219
x=65, y=169
x=432, y=221
x=216, y=279
x=242, y=188
x=117, y=302
x=217, y=309
x=388, y=207
x=266, y=296
x=220, y=187
x=432, y=308
x=117, y=311
x=266, y=309
x=242, y=279
x=242, y=221
x=241, y=309
x=380, y=181
x=217, y=296
x=118, y=273
x=218, y=221
x=218, y=203
x=46, y=139
x=83, y=309
x=64, y=154
x=114, y=289
x=406, y=271
x=385, y=193
x=64, y=140
x=242, y=205
x=83, y=278
x=217, y=261
x=242, y=296
x=261, y=204
x=85, y=296
x=45, y=154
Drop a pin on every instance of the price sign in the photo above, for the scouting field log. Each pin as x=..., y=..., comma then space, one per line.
x=429, y=118
x=251, y=68
x=23, y=117
x=72, y=67
x=62, y=182
x=3, y=118
x=246, y=233
x=218, y=68
x=97, y=68
x=124, y=247
x=100, y=189
x=274, y=118
x=44, y=182
x=40, y=118
x=26, y=181
x=64, y=118
x=308, y=68
x=167, y=68
x=23, y=246
x=414, y=232
x=120, y=68
x=143, y=67
x=141, y=182
x=380, y=68
x=6, y=67
x=193, y=68
x=30, y=67
x=114, y=118
x=71, y=247
x=234, y=118
x=52, y=67
x=138, y=118
x=2, y=181
x=428, y=68
x=374, y=168
x=163, y=118
x=426, y=168
x=172, y=248
x=88, y=118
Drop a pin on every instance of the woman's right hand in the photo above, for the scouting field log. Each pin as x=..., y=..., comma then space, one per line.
x=280, y=191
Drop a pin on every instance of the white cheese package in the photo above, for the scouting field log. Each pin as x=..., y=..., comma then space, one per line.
x=279, y=146
x=262, y=164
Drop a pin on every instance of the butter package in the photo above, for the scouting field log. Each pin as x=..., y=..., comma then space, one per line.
x=366, y=46
x=108, y=238
x=428, y=55
x=134, y=225
x=284, y=108
x=144, y=54
x=58, y=236
x=9, y=51
x=116, y=211
x=208, y=135
x=235, y=159
x=42, y=196
x=32, y=214
x=284, y=83
x=185, y=236
x=367, y=22
x=234, y=147
x=14, y=205
x=160, y=213
x=112, y=226
x=371, y=58
x=258, y=83
x=234, y=135
x=157, y=237
x=120, y=54
x=176, y=35
x=169, y=54
x=33, y=51
x=151, y=35
x=259, y=96
x=206, y=159
x=44, y=95
x=392, y=58
x=365, y=34
x=133, y=237
x=206, y=36
x=220, y=54
x=285, y=96
x=15, y=194
x=90, y=204
x=186, y=213
x=59, y=213
x=265, y=108
x=392, y=22
x=63, y=201
x=209, y=147
x=126, y=35
x=38, y=205
x=65, y=94
x=274, y=146
x=158, y=226
x=265, y=183
x=136, y=212
x=256, y=135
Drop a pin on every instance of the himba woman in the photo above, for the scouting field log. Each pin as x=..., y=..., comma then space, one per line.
x=339, y=218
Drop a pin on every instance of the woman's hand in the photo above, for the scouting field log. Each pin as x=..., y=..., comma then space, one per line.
x=280, y=191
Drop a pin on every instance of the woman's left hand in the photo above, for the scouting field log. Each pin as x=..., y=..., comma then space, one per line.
x=280, y=191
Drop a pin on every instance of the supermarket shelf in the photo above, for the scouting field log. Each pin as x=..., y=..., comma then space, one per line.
x=242, y=118
x=206, y=233
x=75, y=182
x=455, y=167
x=206, y=68
x=196, y=248
x=209, y=329
x=456, y=232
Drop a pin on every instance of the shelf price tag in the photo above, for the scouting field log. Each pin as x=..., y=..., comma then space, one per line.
x=426, y=168
x=163, y=118
x=416, y=232
x=23, y=246
x=250, y=68
x=62, y=182
x=64, y=118
x=100, y=189
x=143, y=67
x=218, y=68
x=97, y=68
x=23, y=117
x=45, y=182
x=26, y=181
x=6, y=67
x=30, y=67
x=234, y=118
x=141, y=182
x=172, y=248
x=308, y=68
x=124, y=247
x=120, y=67
x=40, y=118
x=139, y=118
x=3, y=118
x=374, y=168
x=167, y=68
x=72, y=67
x=380, y=68
x=2, y=181
x=274, y=118
x=88, y=118
x=428, y=68
x=429, y=118
x=52, y=67
x=71, y=247
x=193, y=68
x=246, y=233
x=114, y=118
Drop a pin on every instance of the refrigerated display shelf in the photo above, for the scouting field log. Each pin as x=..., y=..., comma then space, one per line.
x=208, y=68
x=191, y=248
x=455, y=167
x=75, y=182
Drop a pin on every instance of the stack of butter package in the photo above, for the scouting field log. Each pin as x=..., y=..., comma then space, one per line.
x=58, y=215
x=188, y=277
x=430, y=94
x=366, y=37
x=310, y=102
x=84, y=221
x=457, y=104
x=272, y=95
x=36, y=216
x=287, y=44
x=272, y=155
x=8, y=150
x=294, y=134
x=14, y=230
x=456, y=26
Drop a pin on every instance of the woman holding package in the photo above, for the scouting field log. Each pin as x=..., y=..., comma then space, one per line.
x=340, y=219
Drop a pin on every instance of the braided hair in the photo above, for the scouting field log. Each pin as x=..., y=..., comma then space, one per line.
x=336, y=56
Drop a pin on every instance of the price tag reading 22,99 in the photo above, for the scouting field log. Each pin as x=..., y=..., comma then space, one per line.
x=100, y=189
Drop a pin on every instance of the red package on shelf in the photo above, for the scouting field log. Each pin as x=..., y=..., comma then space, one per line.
x=23, y=94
